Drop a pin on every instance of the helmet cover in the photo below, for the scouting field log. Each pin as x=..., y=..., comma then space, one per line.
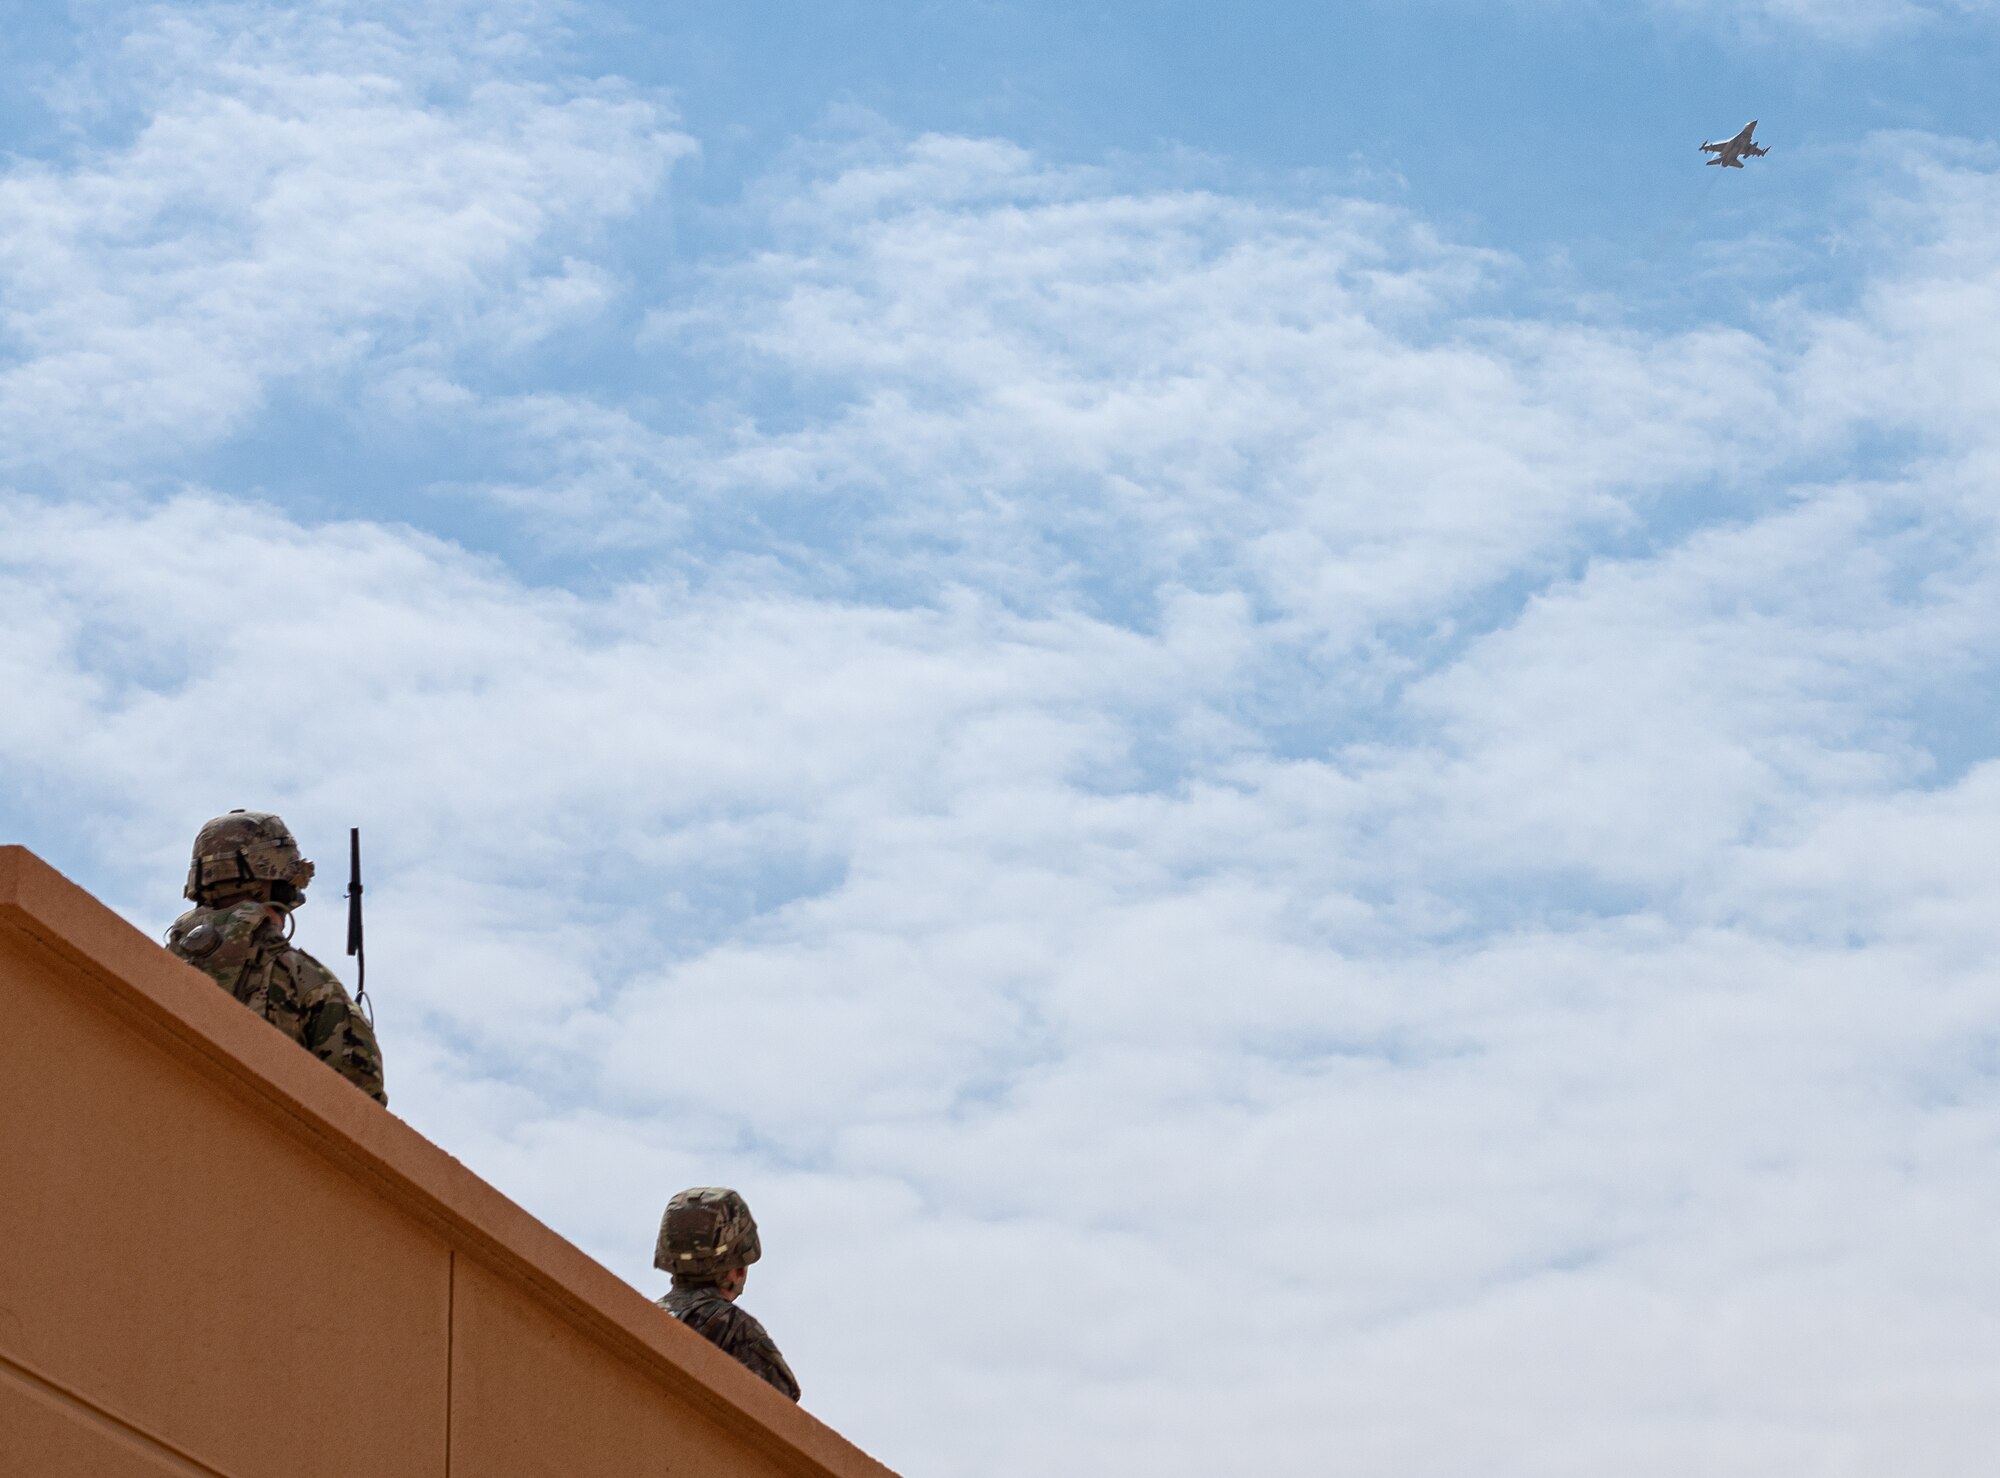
x=706, y=1231
x=246, y=847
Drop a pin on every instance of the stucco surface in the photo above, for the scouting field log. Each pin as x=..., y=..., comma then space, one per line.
x=533, y=1394
x=184, y=1260
x=43, y=1430
x=221, y=1258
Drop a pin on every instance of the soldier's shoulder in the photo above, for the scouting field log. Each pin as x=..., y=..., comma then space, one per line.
x=746, y=1325
x=705, y=1305
x=751, y=1343
x=238, y=921
x=740, y=1332
x=201, y=934
x=307, y=969
x=734, y=1330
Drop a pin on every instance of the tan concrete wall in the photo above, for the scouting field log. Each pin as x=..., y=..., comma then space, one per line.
x=217, y=1258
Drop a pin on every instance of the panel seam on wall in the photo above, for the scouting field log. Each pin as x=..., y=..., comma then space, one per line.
x=81, y=1409
x=450, y=1357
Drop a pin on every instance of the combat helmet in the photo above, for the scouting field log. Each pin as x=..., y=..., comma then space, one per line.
x=247, y=847
x=707, y=1231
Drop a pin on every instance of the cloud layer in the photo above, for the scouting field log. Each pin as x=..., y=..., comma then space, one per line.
x=300, y=194
x=1829, y=22
x=1242, y=846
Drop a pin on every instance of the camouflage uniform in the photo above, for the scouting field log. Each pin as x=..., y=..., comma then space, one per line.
x=245, y=879
x=706, y=1234
x=244, y=950
x=734, y=1331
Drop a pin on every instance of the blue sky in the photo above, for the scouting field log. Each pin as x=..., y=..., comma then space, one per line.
x=1556, y=131
x=1126, y=665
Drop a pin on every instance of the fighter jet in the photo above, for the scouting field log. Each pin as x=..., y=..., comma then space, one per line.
x=1729, y=154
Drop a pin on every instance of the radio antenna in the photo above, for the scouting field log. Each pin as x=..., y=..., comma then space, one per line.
x=354, y=944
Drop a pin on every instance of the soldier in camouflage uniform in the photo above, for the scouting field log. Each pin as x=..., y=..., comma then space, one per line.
x=246, y=877
x=708, y=1240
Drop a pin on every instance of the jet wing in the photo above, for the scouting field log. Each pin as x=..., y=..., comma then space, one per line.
x=1729, y=153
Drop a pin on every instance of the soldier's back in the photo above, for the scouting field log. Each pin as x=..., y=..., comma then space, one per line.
x=244, y=951
x=735, y=1331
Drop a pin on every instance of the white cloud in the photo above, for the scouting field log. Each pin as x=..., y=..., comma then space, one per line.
x=307, y=190
x=1835, y=22
x=1240, y=851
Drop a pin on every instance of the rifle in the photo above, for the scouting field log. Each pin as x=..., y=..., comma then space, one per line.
x=354, y=948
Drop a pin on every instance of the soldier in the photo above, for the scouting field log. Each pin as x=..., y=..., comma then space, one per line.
x=708, y=1240
x=246, y=877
